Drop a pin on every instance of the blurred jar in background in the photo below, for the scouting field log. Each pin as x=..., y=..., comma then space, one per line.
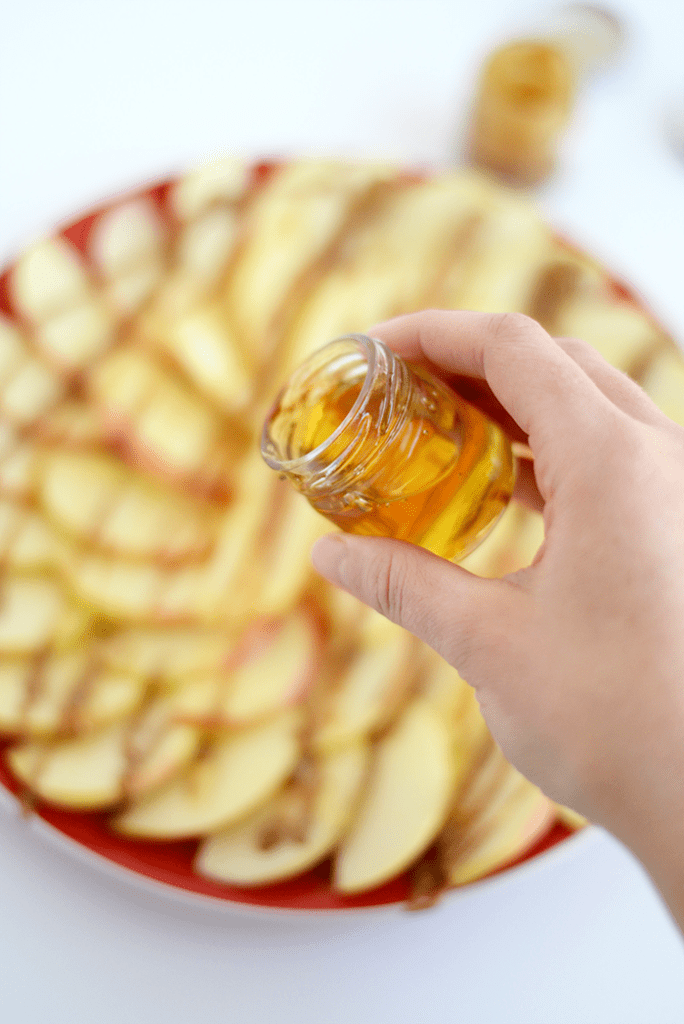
x=527, y=89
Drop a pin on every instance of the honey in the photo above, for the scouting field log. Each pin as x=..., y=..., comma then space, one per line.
x=527, y=89
x=523, y=104
x=383, y=448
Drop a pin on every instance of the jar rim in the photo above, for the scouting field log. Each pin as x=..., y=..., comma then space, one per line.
x=369, y=348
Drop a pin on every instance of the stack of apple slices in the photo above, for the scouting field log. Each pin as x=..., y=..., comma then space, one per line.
x=166, y=653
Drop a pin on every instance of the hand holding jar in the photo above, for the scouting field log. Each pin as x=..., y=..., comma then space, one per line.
x=577, y=660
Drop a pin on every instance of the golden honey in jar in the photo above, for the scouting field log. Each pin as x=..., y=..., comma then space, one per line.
x=383, y=448
x=523, y=104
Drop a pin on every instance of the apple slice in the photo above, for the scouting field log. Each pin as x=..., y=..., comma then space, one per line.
x=84, y=773
x=171, y=654
x=405, y=804
x=201, y=340
x=254, y=853
x=456, y=702
x=128, y=293
x=272, y=667
x=48, y=278
x=69, y=692
x=158, y=748
x=494, y=278
x=370, y=688
x=26, y=542
x=13, y=349
x=30, y=612
x=445, y=690
x=205, y=245
x=99, y=769
x=18, y=457
x=161, y=425
x=283, y=562
x=236, y=773
x=98, y=501
x=345, y=612
x=514, y=818
x=130, y=591
x=215, y=183
x=623, y=334
x=129, y=246
x=73, y=338
x=129, y=235
x=28, y=389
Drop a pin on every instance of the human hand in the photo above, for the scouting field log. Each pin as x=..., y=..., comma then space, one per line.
x=578, y=660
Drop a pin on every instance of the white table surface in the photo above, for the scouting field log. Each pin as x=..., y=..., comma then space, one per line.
x=95, y=97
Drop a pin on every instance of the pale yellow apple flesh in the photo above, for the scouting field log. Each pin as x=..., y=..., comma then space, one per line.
x=403, y=809
x=254, y=853
x=236, y=773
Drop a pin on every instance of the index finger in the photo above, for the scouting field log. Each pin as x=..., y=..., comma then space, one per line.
x=548, y=395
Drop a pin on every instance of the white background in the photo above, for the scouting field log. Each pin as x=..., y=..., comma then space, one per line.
x=96, y=97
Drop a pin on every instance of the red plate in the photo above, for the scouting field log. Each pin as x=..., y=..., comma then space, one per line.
x=170, y=863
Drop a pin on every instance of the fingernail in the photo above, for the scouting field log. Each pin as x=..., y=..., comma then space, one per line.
x=327, y=555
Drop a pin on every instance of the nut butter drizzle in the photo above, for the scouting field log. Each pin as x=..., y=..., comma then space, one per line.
x=429, y=877
x=447, y=280
x=291, y=823
x=34, y=687
x=277, y=339
x=556, y=286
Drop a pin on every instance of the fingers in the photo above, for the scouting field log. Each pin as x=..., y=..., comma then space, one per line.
x=527, y=371
x=450, y=609
x=553, y=400
x=620, y=389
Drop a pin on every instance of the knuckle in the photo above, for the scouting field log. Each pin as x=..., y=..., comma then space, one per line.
x=512, y=325
x=391, y=586
x=576, y=348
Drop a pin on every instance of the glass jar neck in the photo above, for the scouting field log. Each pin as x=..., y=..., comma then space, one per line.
x=335, y=417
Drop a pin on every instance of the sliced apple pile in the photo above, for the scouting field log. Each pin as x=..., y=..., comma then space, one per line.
x=167, y=653
x=293, y=831
x=48, y=693
x=273, y=666
x=53, y=290
x=512, y=817
x=233, y=774
x=97, y=501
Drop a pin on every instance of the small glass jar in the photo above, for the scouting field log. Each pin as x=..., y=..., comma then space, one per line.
x=384, y=448
x=528, y=86
x=523, y=103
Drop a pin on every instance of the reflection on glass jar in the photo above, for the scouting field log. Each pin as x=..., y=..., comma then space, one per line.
x=384, y=448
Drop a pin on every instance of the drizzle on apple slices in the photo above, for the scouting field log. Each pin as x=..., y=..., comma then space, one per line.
x=237, y=772
x=272, y=666
x=99, y=769
x=263, y=849
x=99, y=502
x=46, y=693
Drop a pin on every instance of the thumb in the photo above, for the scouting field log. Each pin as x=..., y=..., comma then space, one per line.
x=456, y=613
